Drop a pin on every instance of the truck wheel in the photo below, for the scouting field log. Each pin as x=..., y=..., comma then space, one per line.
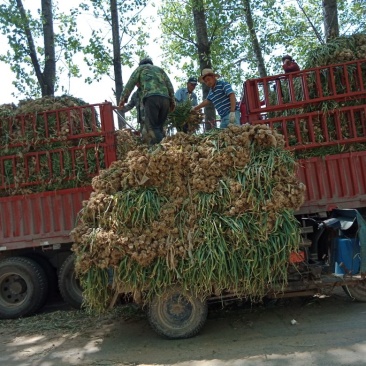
x=357, y=292
x=50, y=272
x=23, y=287
x=177, y=314
x=69, y=285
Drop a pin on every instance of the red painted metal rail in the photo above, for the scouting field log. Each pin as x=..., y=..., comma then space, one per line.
x=77, y=139
x=285, y=92
x=293, y=104
x=344, y=125
x=75, y=134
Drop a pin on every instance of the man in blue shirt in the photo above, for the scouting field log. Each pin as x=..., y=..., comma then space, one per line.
x=186, y=93
x=222, y=96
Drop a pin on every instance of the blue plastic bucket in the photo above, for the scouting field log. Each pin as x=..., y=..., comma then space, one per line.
x=347, y=259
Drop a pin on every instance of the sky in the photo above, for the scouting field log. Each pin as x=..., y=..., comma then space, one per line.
x=97, y=92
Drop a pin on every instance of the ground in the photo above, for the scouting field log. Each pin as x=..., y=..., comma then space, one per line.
x=299, y=331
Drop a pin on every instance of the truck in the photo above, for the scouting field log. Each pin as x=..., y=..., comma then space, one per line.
x=54, y=149
x=35, y=243
x=321, y=112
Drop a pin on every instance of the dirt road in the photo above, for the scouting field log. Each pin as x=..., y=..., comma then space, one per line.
x=330, y=331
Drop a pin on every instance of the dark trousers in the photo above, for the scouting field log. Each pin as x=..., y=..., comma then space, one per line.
x=156, y=112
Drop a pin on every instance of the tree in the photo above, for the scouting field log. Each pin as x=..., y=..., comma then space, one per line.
x=117, y=66
x=27, y=57
x=330, y=14
x=204, y=54
x=127, y=40
x=194, y=34
x=253, y=34
x=254, y=39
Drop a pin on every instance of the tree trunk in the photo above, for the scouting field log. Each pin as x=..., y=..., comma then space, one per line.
x=49, y=73
x=31, y=46
x=46, y=80
x=254, y=39
x=203, y=49
x=330, y=14
x=118, y=82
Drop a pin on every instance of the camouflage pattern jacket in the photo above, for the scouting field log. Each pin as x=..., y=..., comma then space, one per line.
x=152, y=80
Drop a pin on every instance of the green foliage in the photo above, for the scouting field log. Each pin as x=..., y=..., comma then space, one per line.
x=99, y=49
x=67, y=44
x=281, y=27
x=179, y=36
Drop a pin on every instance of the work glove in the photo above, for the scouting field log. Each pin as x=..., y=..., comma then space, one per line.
x=232, y=117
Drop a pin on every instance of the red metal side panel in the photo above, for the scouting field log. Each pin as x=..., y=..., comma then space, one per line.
x=334, y=181
x=39, y=219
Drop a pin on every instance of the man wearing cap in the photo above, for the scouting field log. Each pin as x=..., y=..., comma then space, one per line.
x=157, y=94
x=222, y=96
x=187, y=93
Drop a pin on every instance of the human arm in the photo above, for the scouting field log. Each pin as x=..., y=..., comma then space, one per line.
x=232, y=115
x=133, y=80
x=170, y=88
x=131, y=104
x=232, y=102
x=201, y=105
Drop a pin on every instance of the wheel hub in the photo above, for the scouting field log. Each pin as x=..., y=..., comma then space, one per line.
x=179, y=308
x=13, y=289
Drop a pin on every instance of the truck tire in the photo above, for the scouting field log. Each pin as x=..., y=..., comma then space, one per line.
x=69, y=285
x=357, y=292
x=177, y=314
x=23, y=287
x=50, y=272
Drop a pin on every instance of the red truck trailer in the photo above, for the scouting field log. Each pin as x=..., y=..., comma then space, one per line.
x=318, y=110
x=321, y=113
x=34, y=227
x=66, y=146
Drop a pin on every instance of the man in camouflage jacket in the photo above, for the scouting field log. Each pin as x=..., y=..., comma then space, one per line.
x=157, y=94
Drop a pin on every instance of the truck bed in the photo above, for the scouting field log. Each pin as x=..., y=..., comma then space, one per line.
x=40, y=219
x=333, y=181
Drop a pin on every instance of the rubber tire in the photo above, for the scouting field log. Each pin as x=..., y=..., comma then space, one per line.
x=50, y=272
x=30, y=275
x=68, y=284
x=189, y=317
x=357, y=292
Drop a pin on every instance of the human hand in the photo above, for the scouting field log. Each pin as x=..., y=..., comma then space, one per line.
x=232, y=117
x=121, y=103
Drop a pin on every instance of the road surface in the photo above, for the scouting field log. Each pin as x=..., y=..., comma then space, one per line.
x=293, y=332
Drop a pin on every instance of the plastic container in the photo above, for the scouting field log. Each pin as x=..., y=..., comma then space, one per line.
x=347, y=259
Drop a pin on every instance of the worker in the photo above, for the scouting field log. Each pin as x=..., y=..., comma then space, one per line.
x=222, y=96
x=289, y=64
x=157, y=96
x=187, y=93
